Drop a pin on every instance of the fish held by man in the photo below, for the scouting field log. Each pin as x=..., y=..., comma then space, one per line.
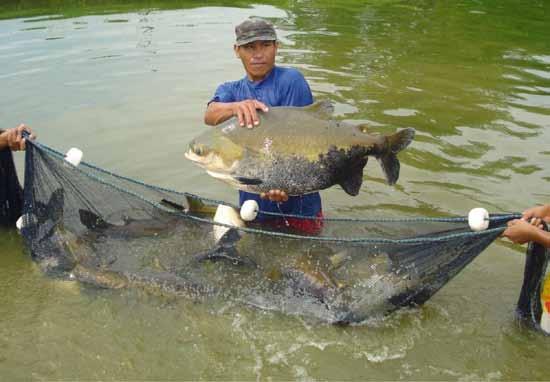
x=296, y=149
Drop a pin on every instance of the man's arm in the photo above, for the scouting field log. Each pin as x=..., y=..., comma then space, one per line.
x=541, y=212
x=218, y=112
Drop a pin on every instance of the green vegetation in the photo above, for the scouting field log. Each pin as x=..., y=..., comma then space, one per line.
x=76, y=8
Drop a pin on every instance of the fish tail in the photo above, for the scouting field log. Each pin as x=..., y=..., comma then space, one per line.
x=388, y=160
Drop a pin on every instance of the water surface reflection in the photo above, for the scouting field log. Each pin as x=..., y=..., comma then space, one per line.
x=128, y=83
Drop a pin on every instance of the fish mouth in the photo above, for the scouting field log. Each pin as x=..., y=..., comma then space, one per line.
x=189, y=154
x=213, y=165
x=202, y=161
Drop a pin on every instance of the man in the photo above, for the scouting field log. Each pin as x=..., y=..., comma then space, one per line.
x=265, y=85
x=529, y=227
x=11, y=195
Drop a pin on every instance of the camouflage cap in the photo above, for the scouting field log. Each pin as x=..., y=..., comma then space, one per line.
x=254, y=29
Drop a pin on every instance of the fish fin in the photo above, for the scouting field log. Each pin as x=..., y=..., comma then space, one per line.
x=353, y=177
x=223, y=253
x=388, y=161
x=172, y=204
x=230, y=237
x=323, y=108
x=53, y=210
x=93, y=221
x=229, y=177
x=225, y=250
x=196, y=205
x=56, y=203
x=248, y=181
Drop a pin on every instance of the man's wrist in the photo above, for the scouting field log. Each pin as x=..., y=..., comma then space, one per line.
x=542, y=237
x=233, y=108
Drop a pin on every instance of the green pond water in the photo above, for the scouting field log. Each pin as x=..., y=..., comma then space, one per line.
x=128, y=83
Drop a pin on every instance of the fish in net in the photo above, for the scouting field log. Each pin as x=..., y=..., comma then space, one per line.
x=103, y=229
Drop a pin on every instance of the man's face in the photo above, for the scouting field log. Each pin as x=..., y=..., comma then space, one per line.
x=258, y=58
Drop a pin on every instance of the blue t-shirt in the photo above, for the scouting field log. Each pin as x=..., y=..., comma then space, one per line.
x=282, y=87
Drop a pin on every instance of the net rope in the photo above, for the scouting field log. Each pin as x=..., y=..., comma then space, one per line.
x=461, y=219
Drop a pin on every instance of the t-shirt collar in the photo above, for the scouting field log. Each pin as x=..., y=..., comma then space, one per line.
x=260, y=82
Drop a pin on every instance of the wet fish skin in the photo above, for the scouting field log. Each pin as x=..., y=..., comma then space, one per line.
x=156, y=283
x=225, y=250
x=298, y=150
x=130, y=229
x=229, y=254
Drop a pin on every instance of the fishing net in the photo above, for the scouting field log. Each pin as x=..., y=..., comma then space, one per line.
x=113, y=232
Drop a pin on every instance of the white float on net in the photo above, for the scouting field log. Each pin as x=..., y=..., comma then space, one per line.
x=478, y=219
x=249, y=210
x=74, y=156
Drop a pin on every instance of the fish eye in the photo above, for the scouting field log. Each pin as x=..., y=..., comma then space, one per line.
x=199, y=149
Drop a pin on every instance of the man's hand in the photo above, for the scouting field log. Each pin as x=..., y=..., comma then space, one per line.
x=540, y=212
x=520, y=231
x=275, y=195
x=13, y=138
x=245, y=111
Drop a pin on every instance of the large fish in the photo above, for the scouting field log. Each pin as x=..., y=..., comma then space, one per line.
x=297, y=150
